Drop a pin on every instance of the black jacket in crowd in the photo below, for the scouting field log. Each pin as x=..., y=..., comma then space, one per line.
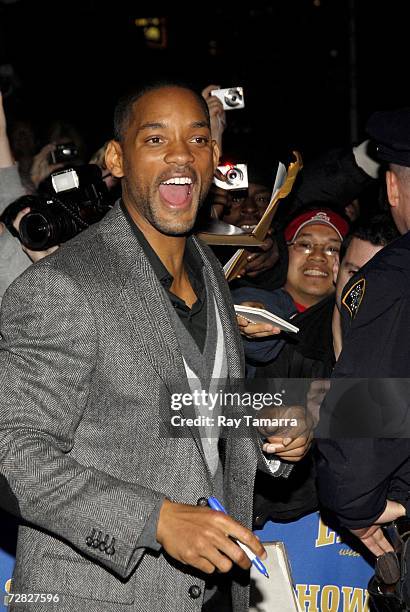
x=357, y=473
x=309, y=354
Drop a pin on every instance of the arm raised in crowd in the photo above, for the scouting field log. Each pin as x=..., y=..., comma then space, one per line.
x=6, y=156
x=216, y=113
x=11, y=186
x=41, y=167
x=12, y=259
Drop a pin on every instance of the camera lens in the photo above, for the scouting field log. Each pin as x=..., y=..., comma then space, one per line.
x=34, y=231
x=234, y=176
x=41, y=230
x=233, y=98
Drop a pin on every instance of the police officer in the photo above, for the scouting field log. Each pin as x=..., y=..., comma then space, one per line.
x=366, y=481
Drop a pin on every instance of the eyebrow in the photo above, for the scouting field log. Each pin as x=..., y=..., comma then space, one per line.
x=154, y=125
x=201, y=124
x=151, y=126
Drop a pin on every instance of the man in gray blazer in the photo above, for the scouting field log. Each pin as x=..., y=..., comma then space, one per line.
x=93, y=340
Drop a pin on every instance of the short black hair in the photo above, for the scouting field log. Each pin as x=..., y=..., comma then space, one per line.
x=379, y=230
x=123, y=109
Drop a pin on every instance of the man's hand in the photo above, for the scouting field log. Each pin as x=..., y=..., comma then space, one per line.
x=289, y=449
x=255, y=330
x=41, y=167
x=219, y=199
x=373, y=537
x=288, y=443
x=34, y=255
x=260, y=259
x=200, y=537
x=216, y=113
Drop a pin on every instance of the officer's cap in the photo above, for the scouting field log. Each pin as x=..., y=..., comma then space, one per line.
x=390, y=130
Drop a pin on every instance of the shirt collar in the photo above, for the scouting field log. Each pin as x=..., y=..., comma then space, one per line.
x=192, y=260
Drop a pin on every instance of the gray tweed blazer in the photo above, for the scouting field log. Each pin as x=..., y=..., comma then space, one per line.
x=88, y=354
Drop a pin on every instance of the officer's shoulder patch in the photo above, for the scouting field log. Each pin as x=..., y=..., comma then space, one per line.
x=353, y=298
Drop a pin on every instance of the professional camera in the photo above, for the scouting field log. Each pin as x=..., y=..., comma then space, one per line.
x=236, y=177
x=73, y=200
x=231, y=98
x=63, y=153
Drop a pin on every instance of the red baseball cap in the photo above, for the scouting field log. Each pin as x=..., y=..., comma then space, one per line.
x=320, y=216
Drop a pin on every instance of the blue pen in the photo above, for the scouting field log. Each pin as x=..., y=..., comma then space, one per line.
x=216, y=505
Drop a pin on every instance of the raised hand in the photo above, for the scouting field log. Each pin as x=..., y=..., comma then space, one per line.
x=217, y=114
x=41, y=167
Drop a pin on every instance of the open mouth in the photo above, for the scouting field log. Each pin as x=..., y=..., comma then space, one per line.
x=177, y=191
x=247, y=228
x=314, y=272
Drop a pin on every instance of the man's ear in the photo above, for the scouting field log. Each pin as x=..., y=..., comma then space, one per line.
x=215, y=153
x=393, y=192
x=114, y=159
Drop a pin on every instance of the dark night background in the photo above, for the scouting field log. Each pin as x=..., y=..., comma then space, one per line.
x=293, y=57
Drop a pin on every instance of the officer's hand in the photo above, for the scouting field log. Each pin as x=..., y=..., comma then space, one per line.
x=199, y=537
x=373, y=537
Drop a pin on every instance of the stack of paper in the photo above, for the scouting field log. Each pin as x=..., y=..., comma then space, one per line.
x=276, y=593
x=259, y=315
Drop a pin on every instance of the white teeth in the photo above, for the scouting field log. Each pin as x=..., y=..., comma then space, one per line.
x=178, y=180
x=314, y=273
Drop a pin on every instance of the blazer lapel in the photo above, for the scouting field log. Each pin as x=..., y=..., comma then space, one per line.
x=233, y=342
x=148, y=310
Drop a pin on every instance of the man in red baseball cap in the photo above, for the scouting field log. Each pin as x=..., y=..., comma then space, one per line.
x=314, y=238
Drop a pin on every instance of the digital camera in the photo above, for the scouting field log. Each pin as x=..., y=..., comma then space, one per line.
x=64, y=153
x=231, y=98
x=73, y=200
x=236, y=177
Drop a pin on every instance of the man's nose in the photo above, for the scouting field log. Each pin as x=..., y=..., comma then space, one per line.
x=249, y=206
x=179, y=153
x=318, y=253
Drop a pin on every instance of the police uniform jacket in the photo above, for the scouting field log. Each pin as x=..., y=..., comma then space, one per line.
x=357, y=473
